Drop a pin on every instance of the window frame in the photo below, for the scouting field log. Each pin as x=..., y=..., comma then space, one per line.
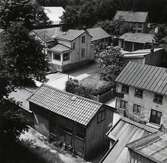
x=83, y=39
x=83, y=54
x=137, y=94
x=154, y=119
x=138, y=109
x=73, y=46
x=66, y=58
x=125, y=89
x=125, y=103
x=158, y=98
x=56, y=54
x=101, y=116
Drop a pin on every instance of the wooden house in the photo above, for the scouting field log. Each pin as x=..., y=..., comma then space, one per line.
x=137, y=20
x=78, y=122
x=142, y=94
x=136, y=41
x=73, y=49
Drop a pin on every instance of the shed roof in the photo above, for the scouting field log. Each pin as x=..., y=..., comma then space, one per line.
x=76, y=108
x=138, y=37
x=153, y=147
x=47, y=34
x=145, y=77
x=125, y=131
x=70, y=35
x=98, y=33
x=59, y=48
x=131, y=16
x=54, y=14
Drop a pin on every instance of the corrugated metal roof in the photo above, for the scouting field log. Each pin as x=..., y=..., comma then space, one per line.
x=59, y=48
x=145, y=77
x=70, y=34
x=76, y=108
x=54, y=14
x=153, y=147
x=131, y=16
x=138, y=37
x=125, y=131
x=98, y=33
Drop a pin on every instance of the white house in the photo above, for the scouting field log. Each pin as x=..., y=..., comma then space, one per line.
x=72, y=50
x=142, y=94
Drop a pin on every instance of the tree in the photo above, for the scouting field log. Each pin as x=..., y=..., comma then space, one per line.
x=25, y=59
x=110, y=63
x=21, y=60
x=31, y=15
x=70, y=18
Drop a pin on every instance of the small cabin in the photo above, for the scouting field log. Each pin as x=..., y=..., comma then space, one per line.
x=77, y=122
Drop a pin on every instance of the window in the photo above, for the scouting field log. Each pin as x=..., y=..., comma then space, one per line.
x=66, y=56
x=136, y=109
x=139, y=93
x=125, y=89
x=123, y=104
x=155, y=117
x=56, y=56
x=83, y=39
x=73, y=46
x=101, y=116
x=158, y=98
x=83, y=52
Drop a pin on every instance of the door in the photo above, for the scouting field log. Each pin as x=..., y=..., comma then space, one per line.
x=155, y=117
x=79, y=147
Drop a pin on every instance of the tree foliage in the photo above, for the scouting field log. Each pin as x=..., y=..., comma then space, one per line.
x=31, y=15
x=24, y=54
x=91, y=12
x=21, y=60
x=110, y=63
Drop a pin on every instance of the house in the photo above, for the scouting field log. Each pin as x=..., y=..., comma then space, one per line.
x=142, y=94
x=73, y=49
x=149, y=149
x=98, y=35
x=123, y=132
x=54, y=14
x=46, y=36
x=136, y=41
x=137, y=20
x=78, y=122
x=145, y=56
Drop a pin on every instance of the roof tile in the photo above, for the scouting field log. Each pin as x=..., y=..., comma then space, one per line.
x=71, y=106
x=145, y=77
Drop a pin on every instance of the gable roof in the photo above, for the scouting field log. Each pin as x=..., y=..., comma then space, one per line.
x=138, y=37
x=98, y=33
x=76, y=108
x=54, y=14
x=145, y=77
x=124, y=132
x=131, y=16
x=47, y=34
x=70, y=35
x=153, y=147
x=59, y=48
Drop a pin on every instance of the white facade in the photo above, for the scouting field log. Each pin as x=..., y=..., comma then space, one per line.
x=147, y=105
